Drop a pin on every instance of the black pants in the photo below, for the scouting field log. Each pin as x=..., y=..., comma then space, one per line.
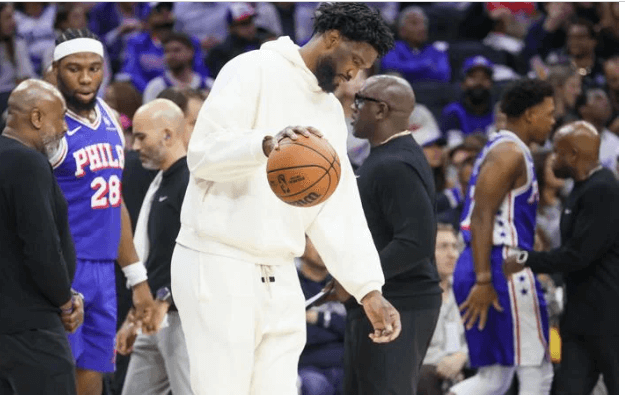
x=391, y=368
x=583, y=359
x=37, y=362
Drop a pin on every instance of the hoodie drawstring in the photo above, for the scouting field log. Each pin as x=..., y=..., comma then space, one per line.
x=267, y=276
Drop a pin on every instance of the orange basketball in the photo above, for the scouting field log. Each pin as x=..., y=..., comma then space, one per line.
x=303, y=172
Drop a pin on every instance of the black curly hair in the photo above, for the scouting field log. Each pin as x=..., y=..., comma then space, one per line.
x=356, y=22
x=524, y=94
x=71, y=34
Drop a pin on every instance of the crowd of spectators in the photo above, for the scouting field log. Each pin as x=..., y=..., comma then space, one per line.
x=458, y=57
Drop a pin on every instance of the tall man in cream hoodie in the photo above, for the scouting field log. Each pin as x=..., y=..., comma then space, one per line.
x=233, y=277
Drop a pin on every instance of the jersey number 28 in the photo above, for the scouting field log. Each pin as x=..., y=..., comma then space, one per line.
x=107, y=194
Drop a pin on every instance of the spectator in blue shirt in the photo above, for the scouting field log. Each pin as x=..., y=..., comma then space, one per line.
x=114, y=23
x=179, y=54
x=413, y=57
x=145, y=56
x=474, y=112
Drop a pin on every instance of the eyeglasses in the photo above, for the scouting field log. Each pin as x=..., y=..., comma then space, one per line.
x=359, y=100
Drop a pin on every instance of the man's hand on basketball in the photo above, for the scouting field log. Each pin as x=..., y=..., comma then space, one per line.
x=383, y=317
x=292, y=132
x=71, y=321
x=144, y=305
x=481, y=297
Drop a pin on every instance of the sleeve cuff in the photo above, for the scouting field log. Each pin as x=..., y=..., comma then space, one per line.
x=256, y=146
x=363, y=291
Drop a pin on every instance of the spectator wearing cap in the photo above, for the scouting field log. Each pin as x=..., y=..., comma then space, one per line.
x=433, y=143
x=474, y=112
x=243, y=36
x=413, y=57
x=593, y=106
x=115, y=23
x=145, y=56
x=179, y=55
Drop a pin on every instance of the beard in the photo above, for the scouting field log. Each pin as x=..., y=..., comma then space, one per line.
x=72, y=101
x=477, y=96
x=52, y=148
x=152, y=158
x=562, y=172
x=326, y=74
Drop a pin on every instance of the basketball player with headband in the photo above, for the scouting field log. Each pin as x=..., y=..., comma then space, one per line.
x=233, y=274
x=88, y=166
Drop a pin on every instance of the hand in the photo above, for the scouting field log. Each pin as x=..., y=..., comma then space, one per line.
x=450, y=366
x=500, y=13
x=312, y=316
x=481, y=297
x=511, y=266
x=291, y=132
x=71, y=321
x=160, y=311
x=383, y=317
x=209, y=42
x=126, y=336
x=557, y=14
x=129, y=26
x=144, y=305
x=337, y=293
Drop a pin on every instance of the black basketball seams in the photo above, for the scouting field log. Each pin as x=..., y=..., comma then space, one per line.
x=312, y=149
x=294, y=167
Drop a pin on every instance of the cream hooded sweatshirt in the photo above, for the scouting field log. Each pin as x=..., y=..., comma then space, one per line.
x=229, y=208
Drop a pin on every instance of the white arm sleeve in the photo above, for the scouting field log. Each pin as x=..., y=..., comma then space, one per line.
x=224, y=146
x=341, y=236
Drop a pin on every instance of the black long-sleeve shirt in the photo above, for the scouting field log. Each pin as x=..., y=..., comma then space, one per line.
x=37, y=255
x=399, y=200
x=588, y=256
x=164, y=225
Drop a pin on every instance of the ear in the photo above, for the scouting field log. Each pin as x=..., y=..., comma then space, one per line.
x=382, y=111
x=331, y=38
x=36, y=118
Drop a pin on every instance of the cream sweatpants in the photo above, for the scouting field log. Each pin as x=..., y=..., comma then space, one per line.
x=244, y=323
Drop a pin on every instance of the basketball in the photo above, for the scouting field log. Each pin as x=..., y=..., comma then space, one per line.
x=303, y=172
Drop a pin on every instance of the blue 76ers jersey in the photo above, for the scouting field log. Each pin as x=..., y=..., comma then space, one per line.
x=89, y=172
x=515, y=221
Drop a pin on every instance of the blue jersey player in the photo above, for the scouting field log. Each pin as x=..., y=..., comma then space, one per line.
x=511, y=335
x=88, y=166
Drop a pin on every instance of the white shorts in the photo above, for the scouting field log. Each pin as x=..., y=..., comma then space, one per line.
x=245, y=324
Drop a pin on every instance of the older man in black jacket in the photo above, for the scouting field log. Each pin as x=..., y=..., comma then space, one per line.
x=588, y=257
x=398, y=197
x=37, y=259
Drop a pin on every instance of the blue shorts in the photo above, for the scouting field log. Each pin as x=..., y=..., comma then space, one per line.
x=93, y=344
x=517, y=336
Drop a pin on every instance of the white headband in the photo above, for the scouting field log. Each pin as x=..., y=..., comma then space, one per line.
x=78, y=45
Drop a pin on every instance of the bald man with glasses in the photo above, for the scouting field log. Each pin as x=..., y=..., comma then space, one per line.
x=397, y=192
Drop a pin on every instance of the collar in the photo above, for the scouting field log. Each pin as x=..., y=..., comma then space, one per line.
x=175, y=167
x=396, y=135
